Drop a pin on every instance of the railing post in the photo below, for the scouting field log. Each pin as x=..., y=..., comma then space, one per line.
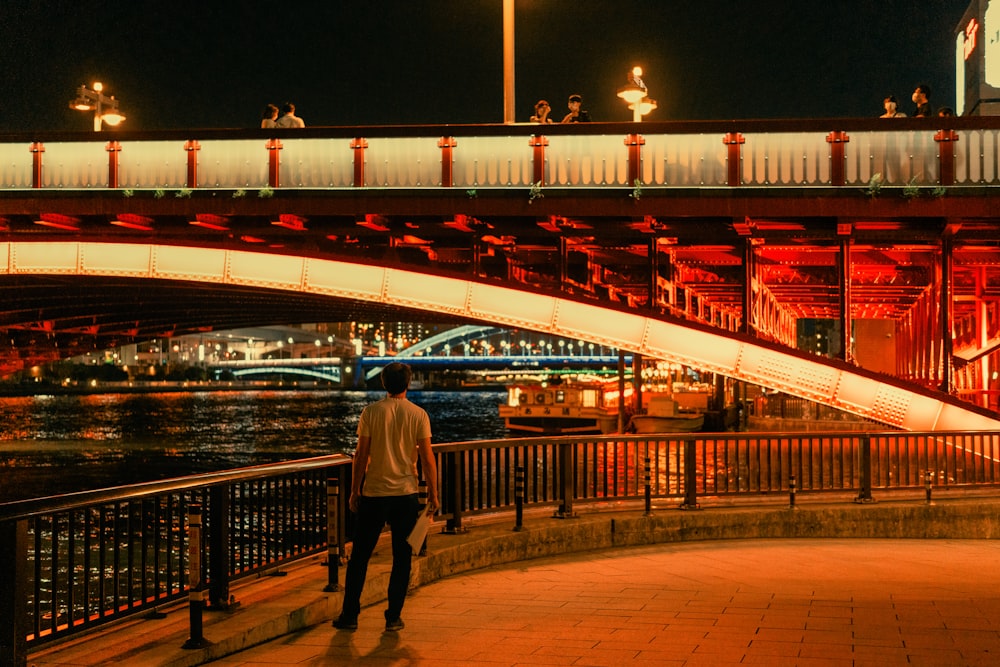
x=37, y=148
x=333, y=530
x=191, y=148
x=14, y=593
x=113, y=148
x=358, y=145
x=649, y=488
x=218, y=548
x=946, y=155
x=518, y=498
x=565, y=481
x=865, y=469
x=634, y=143
x=273, y=163
x=690, y=476
x=196, y=598
x=734, y=142
x=538, y=143
x=453, y=491
x=837, y=139
x=447, y=146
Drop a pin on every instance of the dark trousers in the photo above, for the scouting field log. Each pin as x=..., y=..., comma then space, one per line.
x=400, y=512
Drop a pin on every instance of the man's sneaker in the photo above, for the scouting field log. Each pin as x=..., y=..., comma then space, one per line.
x=394, y=625
x=345, y=623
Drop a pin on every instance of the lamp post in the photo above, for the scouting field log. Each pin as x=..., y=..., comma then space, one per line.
x=105, y=108
x=635, y=94
x=508, y=61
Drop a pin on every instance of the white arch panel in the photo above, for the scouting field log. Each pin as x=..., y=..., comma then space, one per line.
x=857, y=393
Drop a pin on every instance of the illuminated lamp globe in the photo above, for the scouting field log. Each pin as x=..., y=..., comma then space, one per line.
x=112, y=118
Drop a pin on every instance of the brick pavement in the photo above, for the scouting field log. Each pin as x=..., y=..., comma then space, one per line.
x=777, y=602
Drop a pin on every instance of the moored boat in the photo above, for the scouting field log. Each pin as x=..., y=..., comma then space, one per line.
x=562, y=407
x=664, y=415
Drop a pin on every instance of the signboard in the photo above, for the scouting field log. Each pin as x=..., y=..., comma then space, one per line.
x=977, y=60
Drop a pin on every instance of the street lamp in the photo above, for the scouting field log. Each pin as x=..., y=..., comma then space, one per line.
x=105, y=108
x=508, y=61
x=634, y=93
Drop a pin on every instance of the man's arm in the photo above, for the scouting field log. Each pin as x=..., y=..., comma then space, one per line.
x=429, y=465
x=358, y=468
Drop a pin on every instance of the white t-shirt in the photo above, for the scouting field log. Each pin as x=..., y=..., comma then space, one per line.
x=395, y=426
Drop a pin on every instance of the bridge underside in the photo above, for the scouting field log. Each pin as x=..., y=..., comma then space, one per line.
x=69, y=292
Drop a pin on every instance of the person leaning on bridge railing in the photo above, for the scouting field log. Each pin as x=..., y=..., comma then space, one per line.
x=288, y=117
x=392, y=433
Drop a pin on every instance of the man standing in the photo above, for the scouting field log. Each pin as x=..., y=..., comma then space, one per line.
x=576, y=115
x=392, y=434
x=921, y=97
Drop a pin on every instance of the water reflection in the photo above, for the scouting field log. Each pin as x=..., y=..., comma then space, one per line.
x=60, y=444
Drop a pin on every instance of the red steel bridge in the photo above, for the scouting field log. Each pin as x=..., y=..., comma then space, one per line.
x=703, y=243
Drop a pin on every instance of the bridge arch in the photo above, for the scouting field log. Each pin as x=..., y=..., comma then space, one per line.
x=832, y=383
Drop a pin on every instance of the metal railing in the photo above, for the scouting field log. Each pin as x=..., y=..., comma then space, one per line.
x=75, y=562
x=753, y=153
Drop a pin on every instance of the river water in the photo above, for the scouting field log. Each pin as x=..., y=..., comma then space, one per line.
x=60, y=444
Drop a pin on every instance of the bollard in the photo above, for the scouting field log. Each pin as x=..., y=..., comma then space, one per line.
x=422, y=507
x=332, y=522
x=792, y=486
x=518, y=498
x=928, y=476
x=649, y=488
x=196, y=597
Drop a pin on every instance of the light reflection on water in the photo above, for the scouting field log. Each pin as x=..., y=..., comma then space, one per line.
x=60, y=444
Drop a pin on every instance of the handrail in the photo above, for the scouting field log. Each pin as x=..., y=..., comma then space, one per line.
x=25, y=509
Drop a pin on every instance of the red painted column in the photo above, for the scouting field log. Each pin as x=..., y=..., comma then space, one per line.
x=113, y=148
x=837, y=139
x=947, y=328
x=538, y=143
x=634, y=143
x=37, y=148
x=359, y=145
x=946, y=155
x=735, y=141
x=273, y=163
x=447, y=145
x=192, y=148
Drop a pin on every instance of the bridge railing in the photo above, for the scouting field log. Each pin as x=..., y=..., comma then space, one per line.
x=768, y=154
x=78, y=561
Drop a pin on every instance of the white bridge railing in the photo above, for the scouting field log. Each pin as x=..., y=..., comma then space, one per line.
x=770, y=154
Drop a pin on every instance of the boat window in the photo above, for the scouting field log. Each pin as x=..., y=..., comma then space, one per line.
x=588, y=398
x=560, y=396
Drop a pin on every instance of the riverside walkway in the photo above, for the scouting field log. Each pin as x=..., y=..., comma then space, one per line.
x=899, y=582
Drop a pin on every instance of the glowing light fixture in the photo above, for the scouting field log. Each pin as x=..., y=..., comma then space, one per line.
x=210, y=221
x=635, y=95
x=105, y=108
x=132, y=221
x=289, y=221
x=59, y=221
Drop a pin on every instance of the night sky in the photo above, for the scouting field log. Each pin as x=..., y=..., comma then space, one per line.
x=215, y=63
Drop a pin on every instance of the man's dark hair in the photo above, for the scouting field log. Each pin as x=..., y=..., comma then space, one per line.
x=287, y=107
x=396, y=377
x=925, y=89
